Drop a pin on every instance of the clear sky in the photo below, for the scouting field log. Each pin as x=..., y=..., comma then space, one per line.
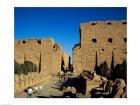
x=60, y=23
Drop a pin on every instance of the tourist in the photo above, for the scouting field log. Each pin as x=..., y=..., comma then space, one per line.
x=40, y=89
x=29, y=92
x=35, y=89
x=69, y=73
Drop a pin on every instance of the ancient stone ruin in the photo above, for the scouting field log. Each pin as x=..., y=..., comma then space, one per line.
x=100, y=41
x=45, y=54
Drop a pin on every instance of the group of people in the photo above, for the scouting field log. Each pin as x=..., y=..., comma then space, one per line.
x=64, y=75
x=34, y=90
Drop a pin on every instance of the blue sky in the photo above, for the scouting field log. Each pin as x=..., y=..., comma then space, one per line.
x=61, y=23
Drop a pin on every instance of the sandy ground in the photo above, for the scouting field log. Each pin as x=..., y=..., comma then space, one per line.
x=50, y=89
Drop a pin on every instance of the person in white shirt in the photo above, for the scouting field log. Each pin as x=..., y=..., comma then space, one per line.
x=29, y=92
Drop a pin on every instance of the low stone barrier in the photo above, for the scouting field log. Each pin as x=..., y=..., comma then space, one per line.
x=22, y=82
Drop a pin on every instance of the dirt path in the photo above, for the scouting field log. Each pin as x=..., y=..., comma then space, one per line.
x=50, y=89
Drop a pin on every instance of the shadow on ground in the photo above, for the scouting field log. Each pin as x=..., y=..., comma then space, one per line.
x=78, y=82
x=43, y=97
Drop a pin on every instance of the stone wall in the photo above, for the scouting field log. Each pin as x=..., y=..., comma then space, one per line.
x=99, y=41
x=33, y=50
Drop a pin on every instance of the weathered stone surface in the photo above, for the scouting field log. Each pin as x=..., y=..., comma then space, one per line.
x=99, y=41
x=41, y=50
x=77, y=59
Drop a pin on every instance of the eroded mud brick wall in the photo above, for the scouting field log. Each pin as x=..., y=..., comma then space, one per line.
x=99, y=41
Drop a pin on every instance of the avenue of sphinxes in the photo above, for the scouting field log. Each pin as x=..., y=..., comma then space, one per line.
x=100, y=41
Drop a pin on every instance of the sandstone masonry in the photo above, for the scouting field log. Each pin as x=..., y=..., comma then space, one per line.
x=100, y=41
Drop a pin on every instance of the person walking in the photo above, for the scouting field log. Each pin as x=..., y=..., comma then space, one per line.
x=29, y=92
